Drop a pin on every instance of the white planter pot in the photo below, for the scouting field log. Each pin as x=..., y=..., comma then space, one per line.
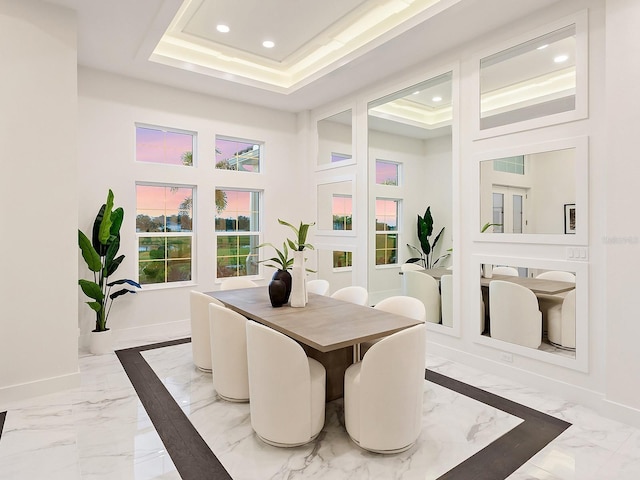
x=101, y=343
x=298, y=297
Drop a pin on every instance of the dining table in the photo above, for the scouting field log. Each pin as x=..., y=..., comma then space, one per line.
x=328, y=329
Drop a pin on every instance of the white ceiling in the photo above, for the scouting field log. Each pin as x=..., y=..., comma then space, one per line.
x=119, y=36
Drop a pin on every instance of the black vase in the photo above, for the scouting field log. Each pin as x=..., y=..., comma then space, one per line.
x=285, y=276
x=277, y=293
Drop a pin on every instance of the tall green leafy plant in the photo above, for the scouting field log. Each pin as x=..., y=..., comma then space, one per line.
x=99, y=253
x=427, y=247
x=300, y=242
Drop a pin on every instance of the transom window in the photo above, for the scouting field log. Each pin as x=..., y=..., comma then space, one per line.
x=164, y=227
x=237, y=226
x=163, y=145
x=386, y=231
x=387, y=173
x=510, y=165
x=239, y=155
x=342, y=259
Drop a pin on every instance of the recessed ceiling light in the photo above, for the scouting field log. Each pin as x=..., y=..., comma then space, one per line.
x=561, y=58
x=542, y=47
x=437, y=99
x=222, y=28
x=416, y=92
x=268, y=44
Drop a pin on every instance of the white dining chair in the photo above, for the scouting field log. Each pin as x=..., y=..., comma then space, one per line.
x=409, y=307
x=287, y=388
x=562, y=326
x=200, y=331
x=513, y=272
x=233, y=283
x=383, y=393
x=354, y=294
x=514, y=314
x=425, y=288
x=318, y=286
x=406, y=267
x=558, y=275
x=229, y=353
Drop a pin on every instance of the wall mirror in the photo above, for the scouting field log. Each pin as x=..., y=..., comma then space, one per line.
x=335, y=208
x=535, y=193
x=550, y=298
x=538, y=80
x=529, y=193
x=335, y=140
x=410, y=168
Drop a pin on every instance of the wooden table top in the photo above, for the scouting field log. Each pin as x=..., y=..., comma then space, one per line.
x=325, y=324
x=536, y=285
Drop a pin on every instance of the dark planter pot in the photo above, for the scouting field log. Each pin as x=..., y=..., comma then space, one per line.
x=285, y=277
x=277, y=293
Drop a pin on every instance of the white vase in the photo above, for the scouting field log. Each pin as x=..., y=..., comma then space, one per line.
x=298, y=297
x=101, y=343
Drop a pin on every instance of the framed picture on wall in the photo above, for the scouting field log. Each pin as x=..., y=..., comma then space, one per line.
x=569, y=218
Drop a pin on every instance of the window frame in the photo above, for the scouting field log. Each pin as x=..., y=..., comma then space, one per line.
x=149, y=126
x=395, y=232
x=258, y=234
x=190, y=234
x=261, y=145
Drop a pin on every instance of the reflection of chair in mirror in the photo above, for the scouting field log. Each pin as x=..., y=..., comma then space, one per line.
x=383, y=393
x=513, y=272
x=405, y=267
x=287, y=388
x=318, y=286
x=229, y=354
x=425, y=288
x=200, y=345
x=446, y=300
x=232, y=283
x=562, y=324
x=353, y=294
x=514, y=314
x=551, y=305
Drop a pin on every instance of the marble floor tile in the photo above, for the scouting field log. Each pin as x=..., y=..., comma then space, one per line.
x=101, y=430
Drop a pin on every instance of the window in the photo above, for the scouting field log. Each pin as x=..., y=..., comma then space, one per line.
x=239, y=155
x=386, y=231
x=161, y=145
x=342, y=259
x=342, y=212
x=237, y=228
x=164, y=227
x=387, y=172
x=509, y=165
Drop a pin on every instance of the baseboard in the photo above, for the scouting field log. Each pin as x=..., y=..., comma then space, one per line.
x=20, y=392
x=563, y=390
x=145, y=334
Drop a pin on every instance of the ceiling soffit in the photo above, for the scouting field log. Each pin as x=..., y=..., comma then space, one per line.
x=355, y=28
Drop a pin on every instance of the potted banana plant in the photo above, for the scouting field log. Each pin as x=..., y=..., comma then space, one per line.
x=100, y=255
x=298, y=285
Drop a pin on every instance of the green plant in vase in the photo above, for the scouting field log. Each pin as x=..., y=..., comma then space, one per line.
x=427, y=247
x=298, y=245
x=100, y=255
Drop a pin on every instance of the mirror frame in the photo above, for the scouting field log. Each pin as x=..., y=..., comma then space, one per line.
x=580, y=19
x=581, y=237
x=315, y=137
x=581, y=269
x=338, y=233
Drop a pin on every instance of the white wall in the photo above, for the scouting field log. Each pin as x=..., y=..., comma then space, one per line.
x=109, y=107
x=620, y=230
x=38, y=121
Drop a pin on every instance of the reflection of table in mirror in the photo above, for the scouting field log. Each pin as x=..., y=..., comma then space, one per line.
x=536, y=285
x=327, y=328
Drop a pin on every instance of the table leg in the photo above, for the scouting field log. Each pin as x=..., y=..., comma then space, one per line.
x=335, y=363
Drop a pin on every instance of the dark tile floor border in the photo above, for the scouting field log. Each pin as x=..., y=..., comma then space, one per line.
x=3, y=415
x=194, y=459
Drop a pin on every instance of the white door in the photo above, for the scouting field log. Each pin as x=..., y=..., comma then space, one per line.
x=509, y=207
